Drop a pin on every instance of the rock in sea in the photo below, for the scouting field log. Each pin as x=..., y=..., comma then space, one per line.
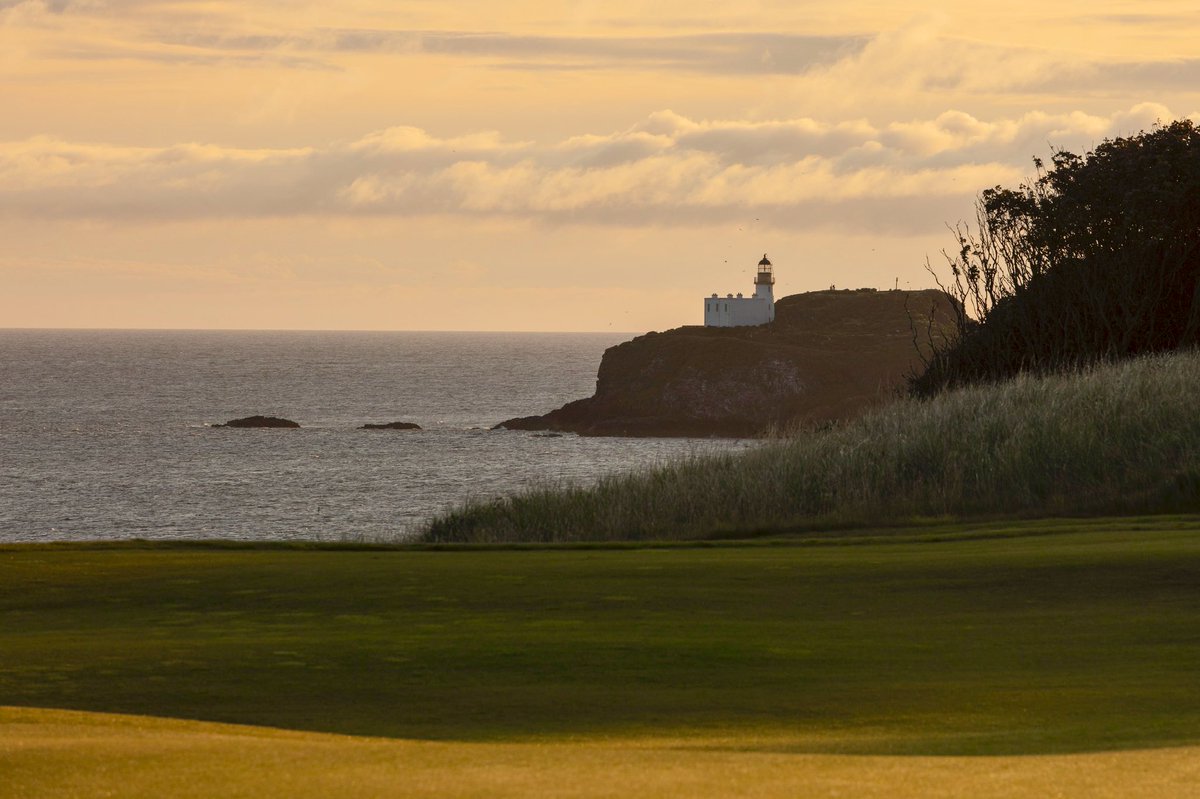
x=259, y=421
x=391, y=426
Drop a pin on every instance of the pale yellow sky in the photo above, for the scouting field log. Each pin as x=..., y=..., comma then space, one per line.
x=528, y=165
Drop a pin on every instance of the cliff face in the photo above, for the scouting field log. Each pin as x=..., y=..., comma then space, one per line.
x=828, y=356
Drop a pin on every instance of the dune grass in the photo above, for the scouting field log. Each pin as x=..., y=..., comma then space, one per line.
x=1118, y=438
x=1047, y=639
x=89, y=756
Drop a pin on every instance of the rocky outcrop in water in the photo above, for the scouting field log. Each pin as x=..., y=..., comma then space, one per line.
x=828, y=356
x=259, y=421
x=391, y=426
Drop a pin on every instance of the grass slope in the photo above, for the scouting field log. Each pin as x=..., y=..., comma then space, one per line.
x=1123, y=438
x=1033, y=644
x=88, y=756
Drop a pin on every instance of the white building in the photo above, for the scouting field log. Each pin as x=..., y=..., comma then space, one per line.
x=731, y=311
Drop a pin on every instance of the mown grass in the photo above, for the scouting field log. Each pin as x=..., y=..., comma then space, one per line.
x=1115, y=439
x=54, y=754
x=992, y=644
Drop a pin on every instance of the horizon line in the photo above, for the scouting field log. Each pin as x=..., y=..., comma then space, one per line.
x=304, y=330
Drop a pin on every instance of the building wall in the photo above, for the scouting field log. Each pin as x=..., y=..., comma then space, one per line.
x=737, y=311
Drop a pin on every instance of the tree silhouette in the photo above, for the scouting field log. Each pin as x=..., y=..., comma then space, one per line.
x=1097, y=258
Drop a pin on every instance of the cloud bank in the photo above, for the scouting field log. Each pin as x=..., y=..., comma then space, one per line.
x=667, y=170
x=925, y=53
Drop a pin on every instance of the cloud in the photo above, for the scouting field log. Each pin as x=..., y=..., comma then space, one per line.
x=726, y=53
x=188, y=58
x=1117, y=76
x=922, y=58
x=667, y=170
x=925, y=58
x=34, y=6
x=200, y=33
x=1125, y=20
x=35, y=32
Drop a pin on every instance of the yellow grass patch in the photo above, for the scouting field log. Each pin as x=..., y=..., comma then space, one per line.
x=53, y=753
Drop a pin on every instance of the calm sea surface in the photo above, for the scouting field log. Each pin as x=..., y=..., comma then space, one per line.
x=106, y=434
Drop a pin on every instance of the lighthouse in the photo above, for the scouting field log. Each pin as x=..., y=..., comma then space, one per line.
x=739, y=311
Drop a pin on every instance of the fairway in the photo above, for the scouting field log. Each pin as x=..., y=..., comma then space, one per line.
x=88, y=756
x=1022, y=641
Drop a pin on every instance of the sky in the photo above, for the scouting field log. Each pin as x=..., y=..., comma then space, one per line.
x=530, y=165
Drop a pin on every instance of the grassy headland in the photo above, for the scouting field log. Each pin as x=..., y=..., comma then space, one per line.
x=1042, y=639
x=1116, y=438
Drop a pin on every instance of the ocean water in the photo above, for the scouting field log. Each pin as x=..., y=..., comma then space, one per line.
x=107, y=434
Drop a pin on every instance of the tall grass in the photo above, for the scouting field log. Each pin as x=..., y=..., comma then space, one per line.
x=1122, y=437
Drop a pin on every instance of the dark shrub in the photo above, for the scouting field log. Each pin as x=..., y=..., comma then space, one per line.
x=1097, y=259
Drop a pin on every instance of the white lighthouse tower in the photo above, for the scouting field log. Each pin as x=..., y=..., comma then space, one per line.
x=731, y=311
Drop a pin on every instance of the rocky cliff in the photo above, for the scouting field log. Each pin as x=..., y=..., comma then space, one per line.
x=828, y=356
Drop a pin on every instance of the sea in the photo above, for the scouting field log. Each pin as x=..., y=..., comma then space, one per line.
x=108, y=434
